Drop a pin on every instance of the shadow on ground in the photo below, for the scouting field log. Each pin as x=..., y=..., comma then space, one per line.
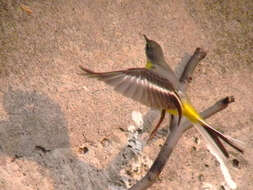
x=36, y=130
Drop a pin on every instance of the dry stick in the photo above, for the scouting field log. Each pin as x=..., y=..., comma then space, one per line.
x=170, y=143
x=186, y=76
x=198, y=55
x=176, y=132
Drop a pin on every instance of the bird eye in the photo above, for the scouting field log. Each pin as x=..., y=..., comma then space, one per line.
x=148, y=47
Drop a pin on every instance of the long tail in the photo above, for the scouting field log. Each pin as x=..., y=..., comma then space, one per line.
x=211, y=136
x=216, y=135
x=217, y=149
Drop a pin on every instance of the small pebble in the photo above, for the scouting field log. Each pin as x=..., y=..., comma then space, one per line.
x=201, y=177
x=105, y=142
x=83, y=149
x=235, y=163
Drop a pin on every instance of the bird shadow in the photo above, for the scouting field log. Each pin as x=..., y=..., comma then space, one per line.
x=36, y=130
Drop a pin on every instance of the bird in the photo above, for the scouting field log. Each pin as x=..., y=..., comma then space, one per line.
x=157, y=86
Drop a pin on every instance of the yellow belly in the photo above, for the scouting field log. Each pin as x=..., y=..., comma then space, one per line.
x=149, y=65
x=172, y=111
x=188, y=111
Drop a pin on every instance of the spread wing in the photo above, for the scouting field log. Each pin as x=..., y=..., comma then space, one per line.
x=142, y=85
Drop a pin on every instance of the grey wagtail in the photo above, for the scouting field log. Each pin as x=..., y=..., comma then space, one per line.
x=157, y=86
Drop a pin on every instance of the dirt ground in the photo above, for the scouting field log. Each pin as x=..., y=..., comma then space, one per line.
x=61, y=131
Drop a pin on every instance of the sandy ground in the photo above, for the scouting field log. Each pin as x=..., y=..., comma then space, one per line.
x=61, y=131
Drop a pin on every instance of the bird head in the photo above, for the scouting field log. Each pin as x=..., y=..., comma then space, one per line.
x=153, y=51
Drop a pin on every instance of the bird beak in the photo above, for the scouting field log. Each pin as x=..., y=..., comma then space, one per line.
x=146, y=38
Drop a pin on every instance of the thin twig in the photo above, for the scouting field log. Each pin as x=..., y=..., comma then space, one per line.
x=170, y=143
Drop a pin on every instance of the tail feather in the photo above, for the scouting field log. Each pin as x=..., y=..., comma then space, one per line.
x=213, y=144
x=211, y=135
x=216, y=134
x=217, y=141
x=217, y=149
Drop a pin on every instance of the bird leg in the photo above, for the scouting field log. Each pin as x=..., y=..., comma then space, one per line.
x=157, y=126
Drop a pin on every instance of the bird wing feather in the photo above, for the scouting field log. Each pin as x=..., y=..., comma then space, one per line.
x=142, y=85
